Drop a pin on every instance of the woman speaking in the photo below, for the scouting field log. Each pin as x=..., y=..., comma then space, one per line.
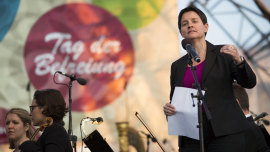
x=220, y=65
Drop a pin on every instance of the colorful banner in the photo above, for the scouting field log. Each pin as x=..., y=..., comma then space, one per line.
x=123, y=49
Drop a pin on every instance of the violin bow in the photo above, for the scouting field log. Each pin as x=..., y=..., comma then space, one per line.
x=152, y=134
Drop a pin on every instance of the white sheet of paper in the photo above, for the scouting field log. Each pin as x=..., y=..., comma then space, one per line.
x=185, y=121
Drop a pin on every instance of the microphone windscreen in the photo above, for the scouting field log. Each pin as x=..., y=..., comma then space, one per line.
x=99, y=119
x=81, y=81
x=266, y=122
x=260, y=116
x=185, y=42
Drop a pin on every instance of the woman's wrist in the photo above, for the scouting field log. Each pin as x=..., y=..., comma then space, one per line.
x=240, y=64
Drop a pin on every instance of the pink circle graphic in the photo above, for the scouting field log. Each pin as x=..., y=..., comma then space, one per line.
x=84, y=40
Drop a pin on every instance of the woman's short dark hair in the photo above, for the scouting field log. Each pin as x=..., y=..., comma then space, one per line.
x=53, y=103
x=194, y=9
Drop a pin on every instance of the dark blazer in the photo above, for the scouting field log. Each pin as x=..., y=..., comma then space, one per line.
x=218, y=75
x=53, y=139
x=254, y=138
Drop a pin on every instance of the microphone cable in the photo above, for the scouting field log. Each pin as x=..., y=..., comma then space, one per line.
x=58, y=83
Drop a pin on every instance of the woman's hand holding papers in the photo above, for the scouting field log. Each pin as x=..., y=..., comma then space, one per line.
x=169, y=109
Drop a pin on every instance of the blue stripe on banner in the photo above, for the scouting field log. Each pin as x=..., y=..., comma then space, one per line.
x=8, y=11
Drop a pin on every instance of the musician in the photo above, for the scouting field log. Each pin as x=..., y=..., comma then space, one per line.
x=48, y=103
x=219, y=66
x=255, y=140
x=18, y=127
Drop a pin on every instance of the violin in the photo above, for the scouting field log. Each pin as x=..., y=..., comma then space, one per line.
x=49, y=122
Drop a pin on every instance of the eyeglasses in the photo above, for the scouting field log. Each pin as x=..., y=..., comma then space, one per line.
x=32, y=107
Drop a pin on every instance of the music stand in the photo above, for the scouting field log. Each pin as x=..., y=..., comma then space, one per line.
x=96, y=143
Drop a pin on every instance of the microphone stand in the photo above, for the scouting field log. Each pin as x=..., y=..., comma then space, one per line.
x=81, y=81
x=72, y=138
x=200, y=98
x=148, y=140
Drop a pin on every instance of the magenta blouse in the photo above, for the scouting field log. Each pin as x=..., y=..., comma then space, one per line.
x=189, y=80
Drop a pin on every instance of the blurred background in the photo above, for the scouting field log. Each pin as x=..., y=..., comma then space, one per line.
x=124, y=49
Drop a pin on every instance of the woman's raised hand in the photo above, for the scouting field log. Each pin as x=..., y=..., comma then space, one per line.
x=232, y=51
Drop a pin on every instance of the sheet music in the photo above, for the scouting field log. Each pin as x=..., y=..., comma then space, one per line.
x=185, y=121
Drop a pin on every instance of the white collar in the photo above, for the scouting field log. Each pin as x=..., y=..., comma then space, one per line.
x=248, y=115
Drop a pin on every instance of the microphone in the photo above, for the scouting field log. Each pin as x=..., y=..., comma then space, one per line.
x=186, y=44
x=96, y=121
x=81, y=81
x=266, y=122
x=260, y=116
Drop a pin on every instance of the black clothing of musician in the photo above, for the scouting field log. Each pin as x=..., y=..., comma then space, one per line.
x=255, y=142
x=48, y=103
x=54, y=138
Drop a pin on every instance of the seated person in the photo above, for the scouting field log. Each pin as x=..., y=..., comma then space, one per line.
x=254, y=137
x=48, y=103
x=18, y=127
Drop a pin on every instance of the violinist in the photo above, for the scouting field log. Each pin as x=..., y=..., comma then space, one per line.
x=48, y=103
x=18, y=127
